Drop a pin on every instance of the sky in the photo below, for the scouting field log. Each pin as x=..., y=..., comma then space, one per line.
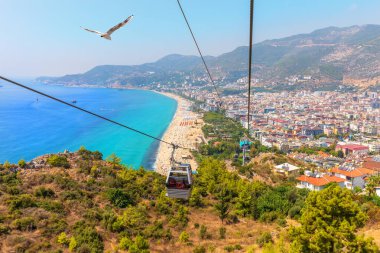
x=44, y=38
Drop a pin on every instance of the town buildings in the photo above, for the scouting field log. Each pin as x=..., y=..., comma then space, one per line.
x=341, y=128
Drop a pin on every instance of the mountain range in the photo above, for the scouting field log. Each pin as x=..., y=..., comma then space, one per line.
x=347, y=55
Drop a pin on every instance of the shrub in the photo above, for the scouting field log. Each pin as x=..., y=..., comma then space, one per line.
x=94, y=172
x=72, y=244
x=199, y=249
x=52, y=206
x=133, y=221
x=196, y=198
x=222, y=208
x=184, y=237
x=180, y=219
x=232, y=218
x=84, y=248
x=229, y=248
x=4, y=230
x=22, y=163
x=140, y=245
x=264, y=238
x=58, y=161
x=114, y=160
x=269, y=217
x=54, y=226
x=93, y=215
x=22, y=201
x=72, y=195
x=87, y=154
x=39, y=246
x=125, y=243
x=294, y=212
x=84, y=166
x=119, y=198
x=9, y=179
x=44, y=192
x=63, y=239
x=12, y=190
x=203, y=232
x=164, y=205
x=25, y=224
x=7, y=165
x=376, y=200
x=222, y=233
x=84, y=153
x=155, y=231
x=97, y=155
x=87, y=237
x=108, y=219
x=65, y=183
x=373, y=213
x=281, y=222
x=40, y=179
x=273, y=202
x=168, y=235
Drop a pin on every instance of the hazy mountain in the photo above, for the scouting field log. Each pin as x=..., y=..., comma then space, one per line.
x=347, y=55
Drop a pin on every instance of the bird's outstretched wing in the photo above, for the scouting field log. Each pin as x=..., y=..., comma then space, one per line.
x=93, y=31
x=111, y=30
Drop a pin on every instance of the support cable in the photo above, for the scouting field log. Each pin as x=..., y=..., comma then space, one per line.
x=200, y=53
x=250, y=59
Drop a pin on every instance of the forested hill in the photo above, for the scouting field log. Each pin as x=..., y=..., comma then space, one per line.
x=348, y=55
x=77, y=202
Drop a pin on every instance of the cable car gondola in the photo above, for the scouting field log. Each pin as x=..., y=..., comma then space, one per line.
x=179, y=179
x=245, y=145
x=179, y=182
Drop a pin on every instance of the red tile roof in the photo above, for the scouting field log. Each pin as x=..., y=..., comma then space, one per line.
x=369, y=163
x=320, y=181
x=358, y=172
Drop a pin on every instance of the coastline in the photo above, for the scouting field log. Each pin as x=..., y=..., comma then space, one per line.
x=184, y=130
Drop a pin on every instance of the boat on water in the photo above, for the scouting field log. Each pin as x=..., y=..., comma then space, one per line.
x=74, y=101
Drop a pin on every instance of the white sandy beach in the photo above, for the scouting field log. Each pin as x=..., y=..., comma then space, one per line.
x=185, y=130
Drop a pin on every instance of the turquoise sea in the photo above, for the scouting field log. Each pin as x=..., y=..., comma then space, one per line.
x=32, y=125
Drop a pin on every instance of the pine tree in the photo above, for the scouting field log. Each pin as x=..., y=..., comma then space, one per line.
x=329, y=222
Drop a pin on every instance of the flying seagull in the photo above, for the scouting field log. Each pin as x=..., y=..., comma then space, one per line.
x=107, y=35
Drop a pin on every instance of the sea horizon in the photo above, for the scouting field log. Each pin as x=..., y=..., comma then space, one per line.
x=32, y=125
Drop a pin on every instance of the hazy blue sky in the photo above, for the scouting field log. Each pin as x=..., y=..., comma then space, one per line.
x=43, y=37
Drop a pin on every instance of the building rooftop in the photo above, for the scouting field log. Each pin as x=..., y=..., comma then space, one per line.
x=358, y=172
x=320, y=181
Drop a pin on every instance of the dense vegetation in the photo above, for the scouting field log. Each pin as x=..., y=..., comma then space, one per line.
x=77, y=205
x=314, y=150
x=95, y=205
x=224, y=135
x=329, y=223
x=234, y=197
x=219, y=126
